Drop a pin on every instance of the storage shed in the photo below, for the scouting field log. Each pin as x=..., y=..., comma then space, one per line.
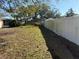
x=5, y=21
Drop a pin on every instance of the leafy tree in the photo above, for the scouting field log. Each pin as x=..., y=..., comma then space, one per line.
x=56, y=13
x=24, y=7
x=70, y=13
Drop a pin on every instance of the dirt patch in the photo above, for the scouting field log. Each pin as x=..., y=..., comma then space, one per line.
x=6, y=33
x=3, y=44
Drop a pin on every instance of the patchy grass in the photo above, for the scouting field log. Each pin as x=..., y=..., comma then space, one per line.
x=25, y=42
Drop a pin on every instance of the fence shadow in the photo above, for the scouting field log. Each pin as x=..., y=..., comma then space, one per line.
x=56, y=44
x=48, y=41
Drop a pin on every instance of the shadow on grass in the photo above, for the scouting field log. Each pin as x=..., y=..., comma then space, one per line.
x=47, y=35
x=52, y=41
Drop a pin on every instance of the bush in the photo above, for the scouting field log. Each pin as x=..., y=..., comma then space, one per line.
x=70, y=13
x=13, y=23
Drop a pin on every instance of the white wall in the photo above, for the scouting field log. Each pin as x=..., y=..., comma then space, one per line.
x=67, y=27
x=1, y=23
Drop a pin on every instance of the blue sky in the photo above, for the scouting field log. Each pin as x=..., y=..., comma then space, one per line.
x=64, y=5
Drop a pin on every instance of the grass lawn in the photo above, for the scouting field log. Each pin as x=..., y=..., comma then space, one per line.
x=25, y=42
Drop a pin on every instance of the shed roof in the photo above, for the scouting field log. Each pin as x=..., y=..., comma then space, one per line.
x=7, y=18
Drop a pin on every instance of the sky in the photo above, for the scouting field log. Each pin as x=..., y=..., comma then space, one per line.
x=64, y=5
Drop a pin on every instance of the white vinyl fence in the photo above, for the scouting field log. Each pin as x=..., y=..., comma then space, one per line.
x=67, y=27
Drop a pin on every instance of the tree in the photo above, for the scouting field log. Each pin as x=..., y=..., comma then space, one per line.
x=49, y=14
x=24, y=7
x=70, y=13
x=56, y=13
x=44, y=8
x=21, y=8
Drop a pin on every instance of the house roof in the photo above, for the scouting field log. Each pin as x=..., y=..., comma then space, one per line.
x=5, y=15
x=7, y=18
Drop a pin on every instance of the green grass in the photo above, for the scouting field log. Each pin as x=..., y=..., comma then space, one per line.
x=25, y=42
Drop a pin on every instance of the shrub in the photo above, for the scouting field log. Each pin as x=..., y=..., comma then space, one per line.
x=13, y=23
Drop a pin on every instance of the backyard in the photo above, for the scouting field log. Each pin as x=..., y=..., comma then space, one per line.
x=24, y=42
x=35, y=42
x=39, y=29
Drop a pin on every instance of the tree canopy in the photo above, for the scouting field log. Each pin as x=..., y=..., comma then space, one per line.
x=70, y=12
x=26, y=7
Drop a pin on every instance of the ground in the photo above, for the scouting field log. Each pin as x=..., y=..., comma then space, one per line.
x=25, y=42
x=35, y=42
